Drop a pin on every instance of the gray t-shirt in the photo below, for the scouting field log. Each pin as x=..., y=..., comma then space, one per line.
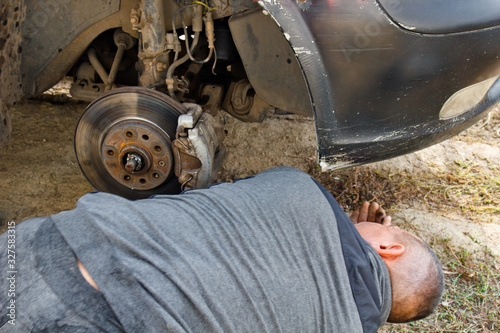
x=262, y=254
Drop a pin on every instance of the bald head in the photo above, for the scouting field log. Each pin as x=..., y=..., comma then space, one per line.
x=417, y=281
x=415, y=272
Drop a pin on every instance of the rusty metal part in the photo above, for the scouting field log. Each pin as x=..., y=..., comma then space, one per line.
x=170, y=80
x=198, y=148
x=152, y=27
x=212, y=94
x=135, y=19
x=85, y=88
x=124, y=42
x=153, y=41
x=86, y=91
x=134, y=162
x=181, y=85
x=242, y=102
x=99, y=68
x=137, y=154
x=123, y=142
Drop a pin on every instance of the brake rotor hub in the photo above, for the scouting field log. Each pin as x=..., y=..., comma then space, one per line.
x=137, y=154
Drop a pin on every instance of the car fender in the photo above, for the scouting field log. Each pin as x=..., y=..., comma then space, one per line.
x=378, y=88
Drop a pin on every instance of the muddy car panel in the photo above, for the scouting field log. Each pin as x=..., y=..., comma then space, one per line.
x=378, y=88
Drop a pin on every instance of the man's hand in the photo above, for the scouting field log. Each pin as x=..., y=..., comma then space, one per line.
x=370, y=212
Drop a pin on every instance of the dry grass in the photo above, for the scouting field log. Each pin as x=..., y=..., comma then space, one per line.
x=352, y=186
x=472, y=189
x=471, y=302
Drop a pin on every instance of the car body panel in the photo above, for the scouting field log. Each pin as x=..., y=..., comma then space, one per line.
x=378, y=89
x=52, y=27
x=270, y=63
x=443, y=16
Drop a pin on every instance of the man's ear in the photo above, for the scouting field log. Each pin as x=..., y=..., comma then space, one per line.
x=388, y=251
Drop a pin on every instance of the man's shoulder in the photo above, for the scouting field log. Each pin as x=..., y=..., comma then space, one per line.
x=287, y=176
x=275, y=181
x=284, y=170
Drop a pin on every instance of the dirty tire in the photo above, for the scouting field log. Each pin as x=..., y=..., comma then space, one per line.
x=12, y=13
x=5, y=125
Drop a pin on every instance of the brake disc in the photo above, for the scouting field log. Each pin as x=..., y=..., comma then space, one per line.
x=123, y=142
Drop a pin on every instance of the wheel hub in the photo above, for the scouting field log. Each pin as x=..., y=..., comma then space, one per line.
x=137, y=154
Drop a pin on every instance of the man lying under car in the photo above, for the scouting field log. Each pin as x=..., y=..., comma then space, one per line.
x=273, y=252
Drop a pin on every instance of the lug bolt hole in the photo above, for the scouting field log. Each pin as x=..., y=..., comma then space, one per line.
x=158, y=148
x=145, y=137
x=126, y=177
x=155, y=175
x=110, y=152
x=142, y=181
x=129, y=134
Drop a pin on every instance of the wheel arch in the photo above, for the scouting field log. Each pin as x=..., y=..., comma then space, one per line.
x=55, y=33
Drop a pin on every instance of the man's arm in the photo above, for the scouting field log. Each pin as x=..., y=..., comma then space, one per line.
x=86, y=275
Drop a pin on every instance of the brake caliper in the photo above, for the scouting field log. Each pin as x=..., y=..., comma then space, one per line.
x=198, y=148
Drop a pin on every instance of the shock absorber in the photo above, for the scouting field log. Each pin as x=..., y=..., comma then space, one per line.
x=152, y=39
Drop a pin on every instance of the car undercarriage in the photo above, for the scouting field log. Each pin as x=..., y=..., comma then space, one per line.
x=158, y=75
